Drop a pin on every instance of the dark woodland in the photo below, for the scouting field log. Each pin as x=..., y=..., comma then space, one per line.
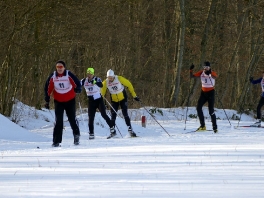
x=150, y=42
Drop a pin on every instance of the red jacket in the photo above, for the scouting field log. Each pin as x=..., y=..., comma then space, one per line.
x=199, y=73
x=49, y=88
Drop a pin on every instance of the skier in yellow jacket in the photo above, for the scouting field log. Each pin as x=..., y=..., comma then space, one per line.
x=116, y=86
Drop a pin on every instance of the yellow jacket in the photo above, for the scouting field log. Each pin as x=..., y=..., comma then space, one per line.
x=119, y=83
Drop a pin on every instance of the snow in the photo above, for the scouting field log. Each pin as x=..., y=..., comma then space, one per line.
x=181, y=164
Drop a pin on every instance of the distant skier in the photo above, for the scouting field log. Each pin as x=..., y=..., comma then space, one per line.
x=92, y=85
x=63, y=86
x=261, y=101
x=116, y=86
x=207, y=77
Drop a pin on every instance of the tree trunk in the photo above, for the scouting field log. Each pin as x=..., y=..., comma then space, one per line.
x=178, y=66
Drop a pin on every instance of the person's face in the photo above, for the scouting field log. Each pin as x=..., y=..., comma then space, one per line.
x=60, y=68
x=111, y=78
x=206, y=68
x=90, y=76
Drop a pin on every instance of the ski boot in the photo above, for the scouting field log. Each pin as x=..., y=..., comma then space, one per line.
x=131, y=132
x=201, y=128
x=76, y=140
x=112, y=133
x=257, y=124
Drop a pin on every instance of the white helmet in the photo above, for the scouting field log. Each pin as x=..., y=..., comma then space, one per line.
x=110, y=72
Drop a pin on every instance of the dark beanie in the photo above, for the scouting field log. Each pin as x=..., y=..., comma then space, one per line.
x=206, y=63
x=61, y=62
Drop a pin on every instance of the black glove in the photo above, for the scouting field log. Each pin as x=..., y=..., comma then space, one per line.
x=137, y=99
x=77, y=90
x=207, y=72
x=251, y=79
x=47, y=105
x=191, y=67
x=47, y=98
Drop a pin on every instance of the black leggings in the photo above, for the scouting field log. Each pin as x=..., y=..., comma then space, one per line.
x=123, y=105
x=92, y=106
x=260, y=104
x=210, y=98
x=69, y=107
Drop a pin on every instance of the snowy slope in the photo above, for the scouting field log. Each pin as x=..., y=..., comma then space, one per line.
x=181, y=164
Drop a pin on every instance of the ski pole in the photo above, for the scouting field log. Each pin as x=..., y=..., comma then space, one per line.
x=153, y=117
x=82, y=116
x=54, y=123
x=118, y=129
x=187, y=105
x=52, y=117
x=221, y=103
x=242, y=105
x=115, y=112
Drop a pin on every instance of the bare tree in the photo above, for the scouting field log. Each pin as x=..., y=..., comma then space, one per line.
x=176, y=87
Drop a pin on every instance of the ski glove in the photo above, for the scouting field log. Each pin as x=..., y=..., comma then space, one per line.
x=47, y=98
x=208, y=72
x=251, y=79
x=137, y=99
x=191, y=67
x=77, y=90
x=47, y=105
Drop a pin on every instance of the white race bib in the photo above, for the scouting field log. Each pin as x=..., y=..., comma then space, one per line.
x=62, y=84
x=91, y=89
x=207, y=81
x=114, y=87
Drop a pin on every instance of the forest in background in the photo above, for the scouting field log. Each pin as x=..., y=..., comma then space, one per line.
x=150, y=42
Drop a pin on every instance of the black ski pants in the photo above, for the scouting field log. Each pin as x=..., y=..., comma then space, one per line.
x=92, y=106
x=260, y=104
x=210, y=98
x=70, y=110
x=124, y=107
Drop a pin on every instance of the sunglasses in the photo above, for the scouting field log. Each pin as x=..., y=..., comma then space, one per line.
x=206, y=67
x=59, y=66
x=110, y=77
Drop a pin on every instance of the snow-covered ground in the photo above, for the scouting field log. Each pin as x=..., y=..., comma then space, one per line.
x=181, y=164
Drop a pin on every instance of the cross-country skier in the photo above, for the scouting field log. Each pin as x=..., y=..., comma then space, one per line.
x=116, y=86
x=63, y=86
x=92, y=85
x=207, y=77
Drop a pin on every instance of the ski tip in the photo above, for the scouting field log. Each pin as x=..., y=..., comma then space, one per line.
x=248, y=126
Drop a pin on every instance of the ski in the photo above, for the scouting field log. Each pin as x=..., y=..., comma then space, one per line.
x=116, y=137
x=56, y=146
x=248, y=126
x=198, y=131
x=110, y=137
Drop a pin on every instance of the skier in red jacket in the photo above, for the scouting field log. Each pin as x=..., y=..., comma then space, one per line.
x=63, y=86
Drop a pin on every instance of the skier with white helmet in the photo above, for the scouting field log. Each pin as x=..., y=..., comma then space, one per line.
x=116, y=86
